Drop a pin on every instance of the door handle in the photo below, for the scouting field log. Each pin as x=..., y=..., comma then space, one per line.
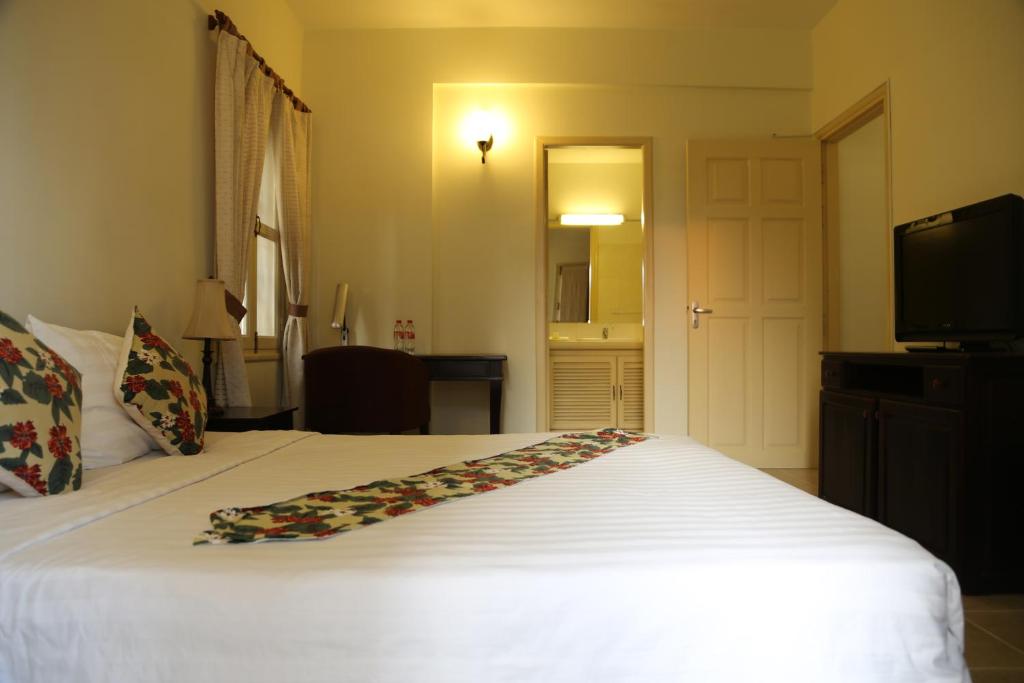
x=695, y=312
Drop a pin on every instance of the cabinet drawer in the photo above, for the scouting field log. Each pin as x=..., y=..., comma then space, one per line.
x=944, y=385
x=831, y=374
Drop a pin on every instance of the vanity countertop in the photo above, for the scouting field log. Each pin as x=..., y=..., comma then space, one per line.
x=593, y=344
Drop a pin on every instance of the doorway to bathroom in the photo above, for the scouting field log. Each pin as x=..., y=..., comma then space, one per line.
x=594, y=275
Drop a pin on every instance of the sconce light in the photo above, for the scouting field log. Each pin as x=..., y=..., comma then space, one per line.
x=588, y=219
x=480, y=127
x=485, y=147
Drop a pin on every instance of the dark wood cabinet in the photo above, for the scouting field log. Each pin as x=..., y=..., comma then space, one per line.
x=920, y=449
x=848, y=436
x=932, y=445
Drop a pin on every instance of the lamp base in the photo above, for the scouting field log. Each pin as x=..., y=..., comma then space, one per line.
x=211, y=403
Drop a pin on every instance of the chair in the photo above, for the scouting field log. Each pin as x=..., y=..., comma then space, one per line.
x=365, y=390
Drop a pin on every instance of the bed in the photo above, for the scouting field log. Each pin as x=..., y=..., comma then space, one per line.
x=661, y=561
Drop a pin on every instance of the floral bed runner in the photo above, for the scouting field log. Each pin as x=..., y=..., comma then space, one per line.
x=328, y=513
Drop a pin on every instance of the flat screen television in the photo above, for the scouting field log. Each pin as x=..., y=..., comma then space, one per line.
x=959, y=275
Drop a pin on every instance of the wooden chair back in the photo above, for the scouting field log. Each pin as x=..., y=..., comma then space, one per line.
x=365, y=390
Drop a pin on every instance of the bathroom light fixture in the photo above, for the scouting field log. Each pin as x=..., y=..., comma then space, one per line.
x=591, y=219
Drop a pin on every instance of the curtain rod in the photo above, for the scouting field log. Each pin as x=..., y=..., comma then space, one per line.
x=219, y=20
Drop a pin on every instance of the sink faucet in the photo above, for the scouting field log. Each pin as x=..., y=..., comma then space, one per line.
x=604, y=333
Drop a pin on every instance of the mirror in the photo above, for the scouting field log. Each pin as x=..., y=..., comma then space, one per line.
x=595, y=235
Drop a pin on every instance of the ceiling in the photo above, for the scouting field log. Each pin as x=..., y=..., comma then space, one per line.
x=636, y=14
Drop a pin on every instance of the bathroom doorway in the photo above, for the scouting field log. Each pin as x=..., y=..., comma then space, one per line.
x=594, y=283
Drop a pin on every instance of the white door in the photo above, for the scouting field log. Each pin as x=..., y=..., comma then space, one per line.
x=754, y=260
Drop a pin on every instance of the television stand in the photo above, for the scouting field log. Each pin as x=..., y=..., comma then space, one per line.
x=932, y=445
x=965, y=347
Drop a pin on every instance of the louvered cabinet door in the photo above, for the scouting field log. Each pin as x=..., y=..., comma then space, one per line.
x=582, y=390
x=630, y=369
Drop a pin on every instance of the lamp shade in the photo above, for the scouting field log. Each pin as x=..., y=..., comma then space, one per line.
x=209, y=313
x=340, y=303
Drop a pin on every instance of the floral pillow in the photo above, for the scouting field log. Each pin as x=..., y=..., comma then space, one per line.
x=40, y=416
x=159, y=390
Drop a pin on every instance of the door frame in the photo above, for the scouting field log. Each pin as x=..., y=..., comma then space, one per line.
x=544, y=143
x=876, y=103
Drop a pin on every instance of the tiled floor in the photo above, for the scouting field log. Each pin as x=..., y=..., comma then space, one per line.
x=995, y=623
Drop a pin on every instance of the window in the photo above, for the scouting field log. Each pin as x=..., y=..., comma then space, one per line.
x=264, y=290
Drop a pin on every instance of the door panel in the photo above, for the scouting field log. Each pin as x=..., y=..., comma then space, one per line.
x=754, y=258
x=728, y=247
x=631, y=381
x=847, y=467
x=919, y=459
x=783, y=261
x=727, y=378
x=783, y=403
x=582, y=391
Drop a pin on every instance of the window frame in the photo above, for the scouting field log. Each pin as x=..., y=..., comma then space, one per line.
x=259, y=345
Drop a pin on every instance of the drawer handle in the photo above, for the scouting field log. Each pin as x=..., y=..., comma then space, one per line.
x=938, y=384
x=830, y=373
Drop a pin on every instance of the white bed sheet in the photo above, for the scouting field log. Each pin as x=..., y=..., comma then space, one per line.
x=663, y=561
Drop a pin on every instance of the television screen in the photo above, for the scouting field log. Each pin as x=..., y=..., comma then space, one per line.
x=958, y=274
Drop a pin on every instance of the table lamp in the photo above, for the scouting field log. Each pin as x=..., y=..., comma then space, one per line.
x=210, y=321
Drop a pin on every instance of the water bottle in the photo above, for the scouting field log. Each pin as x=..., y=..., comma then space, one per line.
x=410, y=337
x=399, y=336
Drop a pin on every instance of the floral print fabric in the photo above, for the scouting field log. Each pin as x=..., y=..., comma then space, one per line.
x=40, y=411
x=159, y=390
x=329, y=513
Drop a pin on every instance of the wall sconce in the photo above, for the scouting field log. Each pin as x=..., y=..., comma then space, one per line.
x=479, y=127
x=485, y=147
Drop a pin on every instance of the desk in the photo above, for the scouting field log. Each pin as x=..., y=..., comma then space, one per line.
x=471, y=368
x=243, y=419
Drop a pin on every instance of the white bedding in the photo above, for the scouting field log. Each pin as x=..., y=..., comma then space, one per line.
x=664, y=561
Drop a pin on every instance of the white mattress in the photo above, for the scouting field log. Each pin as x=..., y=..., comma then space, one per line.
x=664, y=561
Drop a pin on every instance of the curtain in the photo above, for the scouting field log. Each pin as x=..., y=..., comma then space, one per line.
x=242, y=107
x=291, y=137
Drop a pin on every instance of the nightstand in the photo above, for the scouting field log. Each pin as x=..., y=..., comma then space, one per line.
x=248, y=418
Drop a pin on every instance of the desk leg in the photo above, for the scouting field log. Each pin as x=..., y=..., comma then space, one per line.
x=495, y=406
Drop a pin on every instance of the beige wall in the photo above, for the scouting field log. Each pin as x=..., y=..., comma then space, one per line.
x=388, y=156
x=484, y=230
x=864, y=291
x=107, y=162
x=956, y=71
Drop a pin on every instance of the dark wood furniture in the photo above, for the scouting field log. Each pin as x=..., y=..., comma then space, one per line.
x=471, y=368
x=365, y=390
x=932, y=444
x=249, y=418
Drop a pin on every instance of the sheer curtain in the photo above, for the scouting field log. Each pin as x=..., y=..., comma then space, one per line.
x=291, y=137
x=242, y=107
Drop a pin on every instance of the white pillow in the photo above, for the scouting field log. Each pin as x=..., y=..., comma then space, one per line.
x=109, y=436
